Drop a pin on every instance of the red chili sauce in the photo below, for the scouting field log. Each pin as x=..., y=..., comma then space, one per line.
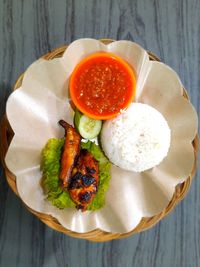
x=102, y=85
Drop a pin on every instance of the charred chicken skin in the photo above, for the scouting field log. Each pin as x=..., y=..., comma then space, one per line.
x=70, y=152
x=84, y=180
x=79, y=169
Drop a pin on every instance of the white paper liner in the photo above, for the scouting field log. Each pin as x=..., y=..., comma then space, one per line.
x=34, y=110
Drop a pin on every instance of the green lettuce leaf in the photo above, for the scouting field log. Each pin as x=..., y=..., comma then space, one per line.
x=50, y=167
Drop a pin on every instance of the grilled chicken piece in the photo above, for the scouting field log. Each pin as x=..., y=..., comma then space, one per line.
x=70, y=152
x=84, y=181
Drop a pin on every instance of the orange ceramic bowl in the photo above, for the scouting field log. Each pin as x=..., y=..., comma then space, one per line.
x=102, y=85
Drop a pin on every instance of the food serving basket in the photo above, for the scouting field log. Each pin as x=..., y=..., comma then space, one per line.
x=95, y=235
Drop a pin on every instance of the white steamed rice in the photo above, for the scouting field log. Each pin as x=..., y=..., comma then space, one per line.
x=136, y=140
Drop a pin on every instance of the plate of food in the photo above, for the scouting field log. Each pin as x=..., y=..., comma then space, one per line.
x=103, y=137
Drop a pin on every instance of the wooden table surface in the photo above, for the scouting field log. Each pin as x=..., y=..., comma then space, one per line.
x=170, y=29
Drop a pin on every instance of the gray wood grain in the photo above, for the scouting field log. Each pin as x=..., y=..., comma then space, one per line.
x=30, y=28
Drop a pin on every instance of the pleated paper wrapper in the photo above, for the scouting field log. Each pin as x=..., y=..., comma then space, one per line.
x=36, y=107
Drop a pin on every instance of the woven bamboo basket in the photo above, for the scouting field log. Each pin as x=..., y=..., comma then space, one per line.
x=96, y=235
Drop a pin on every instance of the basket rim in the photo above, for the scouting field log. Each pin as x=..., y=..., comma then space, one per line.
x=96, y=235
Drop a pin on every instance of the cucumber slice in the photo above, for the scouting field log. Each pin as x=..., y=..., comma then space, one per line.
x=77, y=117
x=87, y=127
